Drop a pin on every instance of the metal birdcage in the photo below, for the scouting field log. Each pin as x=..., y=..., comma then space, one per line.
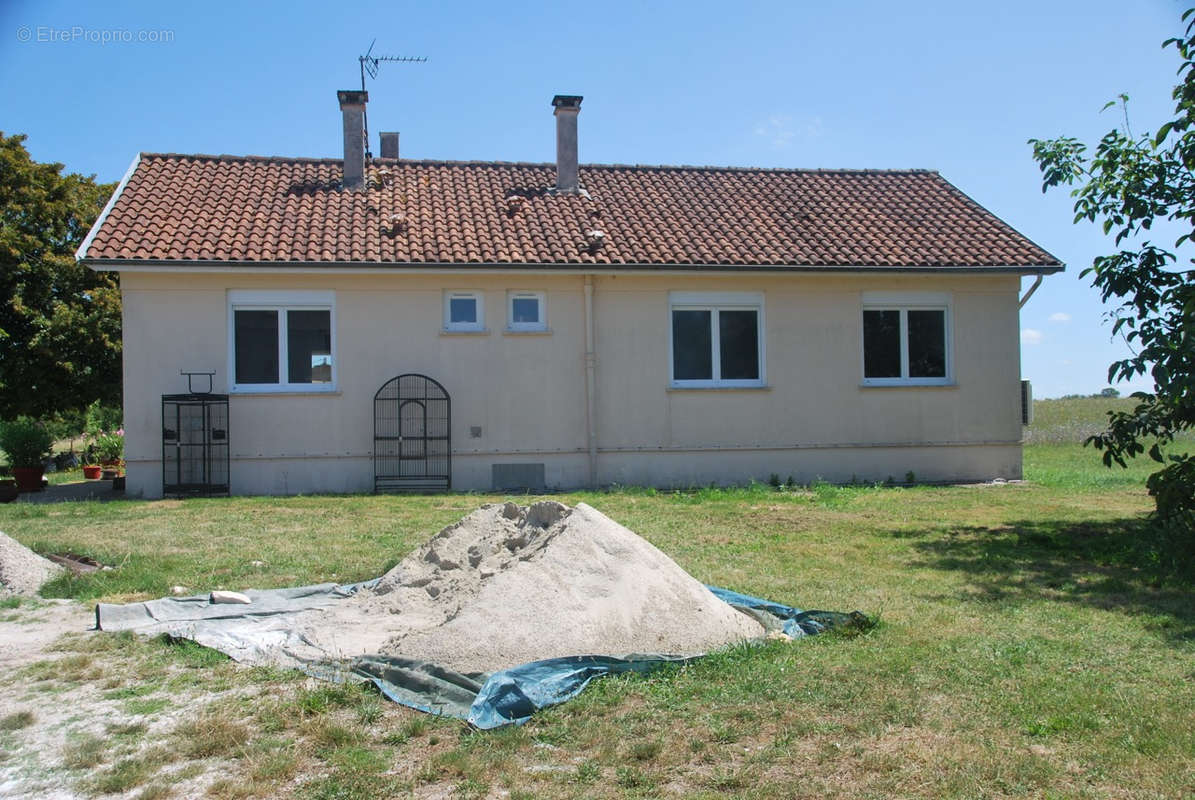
x=412, y=441
x=195, y=449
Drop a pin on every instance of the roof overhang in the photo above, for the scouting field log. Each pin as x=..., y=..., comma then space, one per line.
x=357, y=267
x=81, y=252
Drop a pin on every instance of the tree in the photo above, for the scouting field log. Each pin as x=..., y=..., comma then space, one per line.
x=1128, y=185
x=1109, y=392
x=59, y=322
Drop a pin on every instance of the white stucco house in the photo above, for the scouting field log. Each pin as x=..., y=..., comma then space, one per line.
x=560, y=325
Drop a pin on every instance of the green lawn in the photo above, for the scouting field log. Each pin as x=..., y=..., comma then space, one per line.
x=1028, y=644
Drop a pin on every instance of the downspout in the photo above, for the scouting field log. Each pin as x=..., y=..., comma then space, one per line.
x=590, y=384
x=1029, y=293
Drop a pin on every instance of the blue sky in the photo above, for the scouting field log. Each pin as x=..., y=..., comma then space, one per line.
x=957, y=87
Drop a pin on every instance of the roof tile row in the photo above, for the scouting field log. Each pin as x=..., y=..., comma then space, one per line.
x=251, y=209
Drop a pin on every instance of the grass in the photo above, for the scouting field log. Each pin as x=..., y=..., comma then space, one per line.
x=1030, y=644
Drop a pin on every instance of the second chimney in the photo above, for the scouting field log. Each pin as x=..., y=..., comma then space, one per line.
x=389, y=144
x=567, y=107
x=352, y=107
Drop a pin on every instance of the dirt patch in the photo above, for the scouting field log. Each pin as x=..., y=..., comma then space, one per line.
x=510, y=584
x=23, y=571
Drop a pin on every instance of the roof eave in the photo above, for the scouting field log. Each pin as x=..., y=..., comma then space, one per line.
x=217, y=265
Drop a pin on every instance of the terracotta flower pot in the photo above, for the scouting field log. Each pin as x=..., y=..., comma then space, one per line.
x=92, y=472
x=28, y=478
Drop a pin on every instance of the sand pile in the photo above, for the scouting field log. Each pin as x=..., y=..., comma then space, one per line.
x=510, y=584
x=23, y=571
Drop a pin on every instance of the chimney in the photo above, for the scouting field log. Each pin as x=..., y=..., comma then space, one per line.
x=389, y=144
x=352, y=106
x=567, y=107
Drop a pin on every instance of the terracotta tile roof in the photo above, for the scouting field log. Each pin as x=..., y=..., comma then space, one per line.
x=255, y=209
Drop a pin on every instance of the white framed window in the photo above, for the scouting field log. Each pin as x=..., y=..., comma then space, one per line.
x=716, y=340
x=526, y=311
x=907, y=339
x=464, y=310
x=281, y=341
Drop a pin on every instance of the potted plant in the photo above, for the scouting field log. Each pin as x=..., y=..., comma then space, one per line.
x=27, y=445
x=109, y=449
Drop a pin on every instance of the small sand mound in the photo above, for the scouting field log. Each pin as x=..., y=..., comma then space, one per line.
x=23, y=571
x=510, y=584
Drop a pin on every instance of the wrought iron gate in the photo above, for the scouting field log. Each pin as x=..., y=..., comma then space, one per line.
x=412, y=439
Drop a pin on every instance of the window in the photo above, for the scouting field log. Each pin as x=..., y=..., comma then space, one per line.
x=906, y=339
x=716, y=339
x=526, y=311
x=281, y=341
x=463, y=311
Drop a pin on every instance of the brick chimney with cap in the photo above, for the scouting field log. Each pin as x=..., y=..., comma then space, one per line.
x=568, y=106
x=352, y=107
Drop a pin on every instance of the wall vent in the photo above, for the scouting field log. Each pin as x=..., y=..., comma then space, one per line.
x=522, y=477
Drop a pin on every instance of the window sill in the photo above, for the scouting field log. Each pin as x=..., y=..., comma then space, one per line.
x=682, y=388
x=951, y=385
x=529, y=332
x=287, y=393
x=465, y=332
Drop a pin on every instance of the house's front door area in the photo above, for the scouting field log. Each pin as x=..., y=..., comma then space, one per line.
x=412, y=443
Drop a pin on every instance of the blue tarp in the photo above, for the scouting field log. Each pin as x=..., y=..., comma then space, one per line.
x=264, y=629
x=491, y=700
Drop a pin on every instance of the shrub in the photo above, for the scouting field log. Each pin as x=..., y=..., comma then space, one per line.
x=107, y=446
x=102, y=418
x=26, y=442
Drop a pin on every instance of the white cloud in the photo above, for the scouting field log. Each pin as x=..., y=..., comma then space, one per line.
x=1030, y=336
x=781, y=129
x=1060, y=316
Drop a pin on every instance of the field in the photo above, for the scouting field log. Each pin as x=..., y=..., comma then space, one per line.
x=1030, y=643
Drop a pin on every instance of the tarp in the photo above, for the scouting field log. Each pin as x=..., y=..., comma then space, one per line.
x=261, y=631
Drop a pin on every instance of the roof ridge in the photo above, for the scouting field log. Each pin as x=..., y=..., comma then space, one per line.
x=550, y=164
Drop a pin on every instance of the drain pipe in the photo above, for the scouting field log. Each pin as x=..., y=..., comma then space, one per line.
x=590, y=384
x=1029, y=293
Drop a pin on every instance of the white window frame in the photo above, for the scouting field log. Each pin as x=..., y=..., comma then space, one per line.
x=904, y=302
x=522, y=294
x=715, y=302
x=456, y=294
x=280, y=301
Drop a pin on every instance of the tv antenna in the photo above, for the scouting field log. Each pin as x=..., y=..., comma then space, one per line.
x=371, y=64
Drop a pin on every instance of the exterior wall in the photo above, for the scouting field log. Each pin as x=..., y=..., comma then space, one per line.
x=527, y=392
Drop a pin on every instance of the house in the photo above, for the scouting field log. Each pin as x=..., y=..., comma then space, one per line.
x=563, y=325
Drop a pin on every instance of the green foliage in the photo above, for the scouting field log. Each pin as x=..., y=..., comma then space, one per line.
x=100, y=418
x=1128, y=185
x=107, y=446
x=26, y=442
x=59, y=321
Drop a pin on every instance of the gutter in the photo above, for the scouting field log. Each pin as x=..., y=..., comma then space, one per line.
x=81, y=252
x=448, y=268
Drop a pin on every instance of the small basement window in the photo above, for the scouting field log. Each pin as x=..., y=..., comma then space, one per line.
x=464, y=311
x=281, y=341
x=716, y=340
x=906, y=339
x=526, y=311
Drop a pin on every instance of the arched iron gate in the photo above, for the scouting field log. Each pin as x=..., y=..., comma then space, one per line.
x=412, y=436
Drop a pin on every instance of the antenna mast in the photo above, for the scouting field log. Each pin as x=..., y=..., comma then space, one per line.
x=370, y=63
